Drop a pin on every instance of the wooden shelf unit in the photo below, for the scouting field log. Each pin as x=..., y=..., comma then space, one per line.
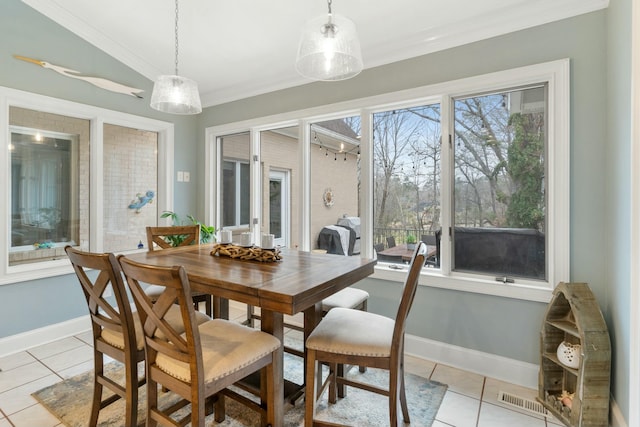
x=573, y=315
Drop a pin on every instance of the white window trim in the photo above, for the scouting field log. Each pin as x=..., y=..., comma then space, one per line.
x=555, y=73
x=98, y=117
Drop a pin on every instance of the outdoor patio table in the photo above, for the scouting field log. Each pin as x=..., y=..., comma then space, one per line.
x=402, y=253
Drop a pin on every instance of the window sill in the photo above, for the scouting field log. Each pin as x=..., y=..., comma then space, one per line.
x=433, y=278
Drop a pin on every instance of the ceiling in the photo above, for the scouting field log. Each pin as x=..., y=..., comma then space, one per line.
x=240, y=48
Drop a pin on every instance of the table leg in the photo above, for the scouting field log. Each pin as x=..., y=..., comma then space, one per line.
x=220, y=308
x=312, y=317
x=273, y=323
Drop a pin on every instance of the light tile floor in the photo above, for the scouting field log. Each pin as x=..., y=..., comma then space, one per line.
x=471, y=400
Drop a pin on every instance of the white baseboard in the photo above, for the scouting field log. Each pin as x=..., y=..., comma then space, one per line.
x=617, y=419
x=486, y=364
x=35, y=337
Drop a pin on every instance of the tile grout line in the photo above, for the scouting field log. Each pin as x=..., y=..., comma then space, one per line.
x=6, y=417
x=484, y=384
x=46, y=366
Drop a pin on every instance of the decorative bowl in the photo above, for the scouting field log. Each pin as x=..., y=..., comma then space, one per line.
x=569, y=354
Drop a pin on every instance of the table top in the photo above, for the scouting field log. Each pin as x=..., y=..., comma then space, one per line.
x=288, y=286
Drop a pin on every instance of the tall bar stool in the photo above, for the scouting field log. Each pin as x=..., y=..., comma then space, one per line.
x=367, y=339
x=113, y=327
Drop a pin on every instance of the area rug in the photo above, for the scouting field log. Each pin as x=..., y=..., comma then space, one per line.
x=70, y=402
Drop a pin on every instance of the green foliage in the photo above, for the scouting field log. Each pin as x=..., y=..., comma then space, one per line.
x=526, y=168
x=207, y=232
x=411, y=239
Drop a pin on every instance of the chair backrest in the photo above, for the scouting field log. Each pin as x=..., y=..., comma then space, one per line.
x=391, y=241
x=378, y=247
x=408, y=294
x=160, y=334
x=104, y=315
x=429, y=239
x=172, y=236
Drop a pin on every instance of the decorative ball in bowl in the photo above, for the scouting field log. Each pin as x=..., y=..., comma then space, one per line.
x=569, y=354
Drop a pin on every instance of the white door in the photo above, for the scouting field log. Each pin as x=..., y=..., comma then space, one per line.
x=279, y=212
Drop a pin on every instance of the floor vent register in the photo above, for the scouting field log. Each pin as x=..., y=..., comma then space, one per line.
x=522, y=403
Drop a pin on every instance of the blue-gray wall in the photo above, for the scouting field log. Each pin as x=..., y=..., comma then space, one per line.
x=599, y=177
x=23, y=31
x=598, y=46
x=616, y=174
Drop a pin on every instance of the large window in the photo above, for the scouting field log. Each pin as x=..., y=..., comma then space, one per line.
x=500, y=162
x=406, y=178
x=477, y=168
x=77, y=175
x=44, y=192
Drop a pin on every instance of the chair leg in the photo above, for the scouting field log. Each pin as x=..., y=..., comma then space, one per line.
x=363, y=307
x=311, y=393
x=97, y=391
x=334, y=373
x=342, y=389
x=152, y=402
x=393, y=398
x=219, y=410
x=403, y=397
x=268, y=398
x=131, y=394
x=198, y=407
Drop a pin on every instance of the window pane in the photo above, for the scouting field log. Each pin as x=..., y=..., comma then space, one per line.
x=335, y=186
x=236, y=180
x=280, y=208
x=228, y=193
x=499, y=189
x=130, y=167
x=47, y=212
x=244, y=193
x=275, y=207
x=406, y=145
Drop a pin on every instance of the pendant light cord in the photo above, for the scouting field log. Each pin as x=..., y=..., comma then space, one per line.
x=176, y=29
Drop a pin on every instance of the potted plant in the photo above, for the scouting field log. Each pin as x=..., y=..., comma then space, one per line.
x=411, y=242
x=207, y=232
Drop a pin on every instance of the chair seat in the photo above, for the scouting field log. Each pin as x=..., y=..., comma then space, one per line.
x=154, y=291
x=367, y=334
x=346, y=298
x=173, y=317
x=226, y=347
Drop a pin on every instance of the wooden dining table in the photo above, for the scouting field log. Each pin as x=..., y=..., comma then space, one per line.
x=296, y=283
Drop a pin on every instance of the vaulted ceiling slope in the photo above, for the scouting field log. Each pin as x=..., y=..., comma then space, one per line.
x=240, y=48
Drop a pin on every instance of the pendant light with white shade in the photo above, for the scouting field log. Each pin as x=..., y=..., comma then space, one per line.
x=175, y=94
x=329, y=48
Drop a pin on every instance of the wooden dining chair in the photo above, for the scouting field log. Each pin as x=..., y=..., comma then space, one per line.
x=200, y=364
x=346, y=336
x=112, y=324
x=170, y=237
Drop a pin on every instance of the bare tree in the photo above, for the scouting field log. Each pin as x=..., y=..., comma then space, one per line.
x=393, y=132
